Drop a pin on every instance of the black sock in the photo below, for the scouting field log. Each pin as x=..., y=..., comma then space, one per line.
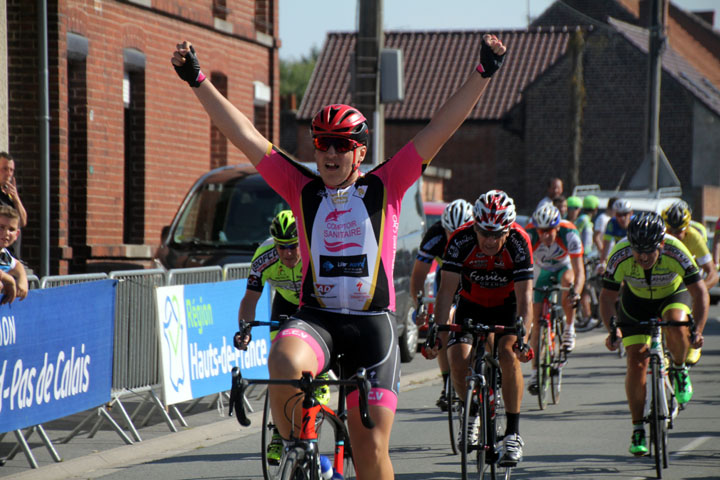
x=513, y=423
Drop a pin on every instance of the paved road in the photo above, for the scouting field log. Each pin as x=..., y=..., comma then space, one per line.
x=586, y=436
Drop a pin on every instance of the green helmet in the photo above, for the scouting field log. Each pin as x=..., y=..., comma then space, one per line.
x=574, y=202
x=283, y=228
x=590, y=202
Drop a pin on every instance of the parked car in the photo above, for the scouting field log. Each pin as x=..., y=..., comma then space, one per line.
x=227, y=213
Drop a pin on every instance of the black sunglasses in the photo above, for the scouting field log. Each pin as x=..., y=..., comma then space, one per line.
x=488, y=233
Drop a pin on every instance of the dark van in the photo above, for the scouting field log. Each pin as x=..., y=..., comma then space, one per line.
x=227, y=213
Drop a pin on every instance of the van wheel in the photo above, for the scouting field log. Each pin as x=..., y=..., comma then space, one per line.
x=409, y=339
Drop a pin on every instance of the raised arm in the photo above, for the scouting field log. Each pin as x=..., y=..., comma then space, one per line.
x=229, y=120
x=455, y=110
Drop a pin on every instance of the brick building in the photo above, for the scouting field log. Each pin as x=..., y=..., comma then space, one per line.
x=524, y=129
x=127, y=136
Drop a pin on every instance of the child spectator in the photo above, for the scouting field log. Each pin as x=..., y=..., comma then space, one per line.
x=12, y=273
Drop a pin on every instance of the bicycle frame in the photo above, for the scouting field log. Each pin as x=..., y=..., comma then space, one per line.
x=483, y=384
x=551, y=357
x=302, y=453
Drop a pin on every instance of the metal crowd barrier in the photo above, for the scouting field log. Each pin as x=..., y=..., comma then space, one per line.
x=136, y=353
x=187, y=276
x=236, y=271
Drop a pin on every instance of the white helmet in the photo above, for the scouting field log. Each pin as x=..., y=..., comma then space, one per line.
x=494, y=211
x=547, y=216
x=456, y=213
x=622, y=206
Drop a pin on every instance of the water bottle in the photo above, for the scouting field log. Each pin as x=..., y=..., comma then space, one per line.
x=326, y=469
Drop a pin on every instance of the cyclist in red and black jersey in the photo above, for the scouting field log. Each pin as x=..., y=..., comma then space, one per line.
x=491, y=260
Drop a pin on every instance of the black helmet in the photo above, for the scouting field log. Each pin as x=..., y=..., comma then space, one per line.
x=283, y=228
x=646, y=232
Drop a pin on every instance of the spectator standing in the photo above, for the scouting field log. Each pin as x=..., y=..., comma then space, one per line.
x=554, y=189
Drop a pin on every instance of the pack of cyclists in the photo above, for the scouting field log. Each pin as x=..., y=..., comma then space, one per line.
x=338, y=297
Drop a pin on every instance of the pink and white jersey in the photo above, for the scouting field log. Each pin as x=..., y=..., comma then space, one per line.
x=349, y=234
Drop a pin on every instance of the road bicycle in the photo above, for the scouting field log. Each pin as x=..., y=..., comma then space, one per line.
x=483, y=390
x=551, y=357
x=661, y=407
x=301, y=457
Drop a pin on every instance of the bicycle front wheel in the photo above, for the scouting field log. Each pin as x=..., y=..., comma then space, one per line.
x=472, y=429
x=296, y=466
x=657, y=423
x=271, y=470
x=558, y=360
x=544, y=365
x=455, y=415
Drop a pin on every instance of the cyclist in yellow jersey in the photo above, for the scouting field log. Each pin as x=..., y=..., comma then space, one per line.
x=660, y=279
x=677, y=219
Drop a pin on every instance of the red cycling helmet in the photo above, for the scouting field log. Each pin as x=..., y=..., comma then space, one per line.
x=340, y=120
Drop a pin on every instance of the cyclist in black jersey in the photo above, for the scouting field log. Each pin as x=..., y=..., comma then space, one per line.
x=432, y=247
x=347, y=230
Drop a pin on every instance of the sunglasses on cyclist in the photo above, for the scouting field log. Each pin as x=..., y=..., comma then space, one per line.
x=292, y=246
x=545, y=230
x=487, y=233
x=341, y=145
x=644, y=250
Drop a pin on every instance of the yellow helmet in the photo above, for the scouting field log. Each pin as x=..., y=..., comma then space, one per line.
x=677, y=215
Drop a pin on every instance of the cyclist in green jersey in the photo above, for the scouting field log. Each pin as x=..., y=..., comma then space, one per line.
x=277, y=262
x=677, y=218
x=584, y=224
x=660, y=278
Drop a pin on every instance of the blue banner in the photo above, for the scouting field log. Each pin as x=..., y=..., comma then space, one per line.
x=56, y=353
x=197, y=324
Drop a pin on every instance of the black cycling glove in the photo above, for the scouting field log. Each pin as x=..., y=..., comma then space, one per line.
x=190, y=70
x=490, y=62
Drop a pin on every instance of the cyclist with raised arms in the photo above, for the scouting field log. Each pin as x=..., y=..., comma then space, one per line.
x=347, y=230
x=678, y=222
x=491, y=261
x=660, y=279
x=558, y=255
x=456, y=213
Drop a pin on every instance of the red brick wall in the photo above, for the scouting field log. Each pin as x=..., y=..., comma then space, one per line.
x=178, y=136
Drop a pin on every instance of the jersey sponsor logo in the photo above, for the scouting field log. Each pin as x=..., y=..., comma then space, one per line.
x=265, y=260
x=337, y=246
x=293, y=332
x=324, y=288
x=617, y=258
x=678, y=255
x=521, y=248
x=340, y=197
x=345, y=266
x=253, y=281
x=335, y=215
x=360, y=191
x=375, y=395
x=453, y=251
x=490, y=279
x=431, y=243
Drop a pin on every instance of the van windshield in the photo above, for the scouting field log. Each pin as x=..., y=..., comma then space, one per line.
x=234, y=214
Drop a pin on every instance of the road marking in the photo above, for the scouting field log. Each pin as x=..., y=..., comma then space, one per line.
x=690, y=447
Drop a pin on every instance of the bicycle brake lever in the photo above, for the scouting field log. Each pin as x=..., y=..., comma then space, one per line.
x=237, y=393
x=364, y=387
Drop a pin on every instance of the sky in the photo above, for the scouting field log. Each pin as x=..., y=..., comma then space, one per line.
x=304, y=23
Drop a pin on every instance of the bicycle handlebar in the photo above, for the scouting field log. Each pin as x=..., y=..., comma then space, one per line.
x=656, y=322
x=245, y=329
x=307, y=384
x=469, y=326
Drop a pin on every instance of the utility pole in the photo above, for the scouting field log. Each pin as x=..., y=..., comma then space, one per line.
x=366, y=92
x=656, y=44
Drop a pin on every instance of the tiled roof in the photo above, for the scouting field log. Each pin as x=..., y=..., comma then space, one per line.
x=674, y=64
x=436, y=63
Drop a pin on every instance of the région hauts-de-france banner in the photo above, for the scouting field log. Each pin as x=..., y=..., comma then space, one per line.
x=197, y=324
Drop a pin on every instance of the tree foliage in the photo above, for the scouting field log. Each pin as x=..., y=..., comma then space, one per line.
x=295, y=74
